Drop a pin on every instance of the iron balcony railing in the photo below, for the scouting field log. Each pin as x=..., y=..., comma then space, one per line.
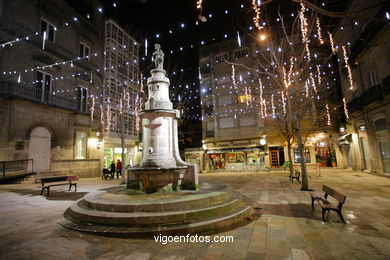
x=15, y=168
x=34, y=94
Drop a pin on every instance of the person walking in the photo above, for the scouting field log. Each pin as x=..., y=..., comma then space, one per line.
x=112, y=169
x=118, y=169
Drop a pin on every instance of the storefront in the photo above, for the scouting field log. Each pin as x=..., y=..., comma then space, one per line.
x=325, y=153
x=237, y=159
x=216, y=161
x=113, y=154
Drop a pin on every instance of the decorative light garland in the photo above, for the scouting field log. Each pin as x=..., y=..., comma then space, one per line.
x=319, y=79
x=334, y=50
x=328, y=114
x=304, y=32
x=283, y=102
x=92, y=107
x=256, y=18
x=345, y=108
x=346, y=60
x=261, y=99
x=319, y=30
x=313, y=83
x=234, y=76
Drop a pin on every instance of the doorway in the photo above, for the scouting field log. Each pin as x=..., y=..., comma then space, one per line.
x=276, y=155
x=39, y=149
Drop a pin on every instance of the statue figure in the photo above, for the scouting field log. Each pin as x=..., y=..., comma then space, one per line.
x=158, y=56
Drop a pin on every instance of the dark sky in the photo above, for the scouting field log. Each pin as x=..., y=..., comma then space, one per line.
x=144, y=19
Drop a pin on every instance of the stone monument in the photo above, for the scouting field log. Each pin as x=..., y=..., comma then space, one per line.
x=183, y=207
x=161, y=165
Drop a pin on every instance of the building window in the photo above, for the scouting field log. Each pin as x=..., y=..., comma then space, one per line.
x=49, y=29
x=383, y=143
x=80, y=146
x=373, y=77
x=84, y=51
x=221, y=58
x=82, y=99
x=243, y=99
x=242, y=53
x=306, y=154
x=42, y=86
x=380, y=125
x=226, y=122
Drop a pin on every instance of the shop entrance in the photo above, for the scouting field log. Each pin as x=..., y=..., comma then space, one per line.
x=325, y=154
x=276, y=155
x=216, y=161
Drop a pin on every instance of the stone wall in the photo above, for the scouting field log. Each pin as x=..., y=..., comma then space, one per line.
x=84, y=168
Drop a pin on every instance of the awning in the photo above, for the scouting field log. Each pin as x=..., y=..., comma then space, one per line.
x=236, y=150
x=344, y=137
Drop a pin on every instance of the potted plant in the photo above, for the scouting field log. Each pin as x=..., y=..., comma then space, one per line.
x=286, y=165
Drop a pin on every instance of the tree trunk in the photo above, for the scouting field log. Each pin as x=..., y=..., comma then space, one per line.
x=123, y=142
x=305, y=181
x=289, y=156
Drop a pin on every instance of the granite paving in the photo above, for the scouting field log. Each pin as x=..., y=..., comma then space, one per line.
x=285, y=227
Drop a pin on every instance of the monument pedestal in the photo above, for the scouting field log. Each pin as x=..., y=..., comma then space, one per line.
x=154, y=179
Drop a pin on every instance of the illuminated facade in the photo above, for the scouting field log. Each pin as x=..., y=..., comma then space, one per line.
x=121, y=78
x=365, y=139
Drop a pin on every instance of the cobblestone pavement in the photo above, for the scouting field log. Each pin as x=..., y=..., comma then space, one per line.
x=287, y=228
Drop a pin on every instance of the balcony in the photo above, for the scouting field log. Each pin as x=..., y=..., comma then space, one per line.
x=36, y=95
x=375, y=93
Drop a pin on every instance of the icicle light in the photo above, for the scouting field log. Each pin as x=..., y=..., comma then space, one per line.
x=346, y=61
x=303, y=22
x=332, y=43
x=92, y=107
x=319, y=79
x=345, y=108
x=256, y=18
x=328, y=113
x=261, y=100
x=313, y=83
x=284, y=103
x=319, y=30
x=234, y=77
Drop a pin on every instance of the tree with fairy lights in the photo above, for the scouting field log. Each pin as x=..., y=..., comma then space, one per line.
x=293, y=67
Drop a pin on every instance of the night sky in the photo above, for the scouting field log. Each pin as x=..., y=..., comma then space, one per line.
x=145, y=19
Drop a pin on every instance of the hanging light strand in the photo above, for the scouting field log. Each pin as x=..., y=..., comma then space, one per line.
x=346, y=61
x=92, y=107
x=319, y=31
x=328, y=114
x=332, y=46
x=234, y=77
x=345, y=108
x=256, y=18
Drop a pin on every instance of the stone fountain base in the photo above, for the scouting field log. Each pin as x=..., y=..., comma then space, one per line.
x=153, y=179
x=123, y=212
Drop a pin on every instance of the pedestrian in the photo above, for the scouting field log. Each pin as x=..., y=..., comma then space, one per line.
x=112, y=169
x=118, y=169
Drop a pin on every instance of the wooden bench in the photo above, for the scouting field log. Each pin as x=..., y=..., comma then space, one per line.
x=326, y=205
x=47, y=182
x=295, y=175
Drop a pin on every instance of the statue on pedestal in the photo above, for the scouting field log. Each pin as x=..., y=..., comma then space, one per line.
x=158, y=56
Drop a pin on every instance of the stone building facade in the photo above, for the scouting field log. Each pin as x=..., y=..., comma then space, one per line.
x=365, y=140
x=51, y=64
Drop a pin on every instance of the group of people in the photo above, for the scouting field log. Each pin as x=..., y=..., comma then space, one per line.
x=114, y=169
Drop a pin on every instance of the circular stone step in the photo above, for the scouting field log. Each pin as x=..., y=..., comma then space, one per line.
x=121, y=199
x=118, y=211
